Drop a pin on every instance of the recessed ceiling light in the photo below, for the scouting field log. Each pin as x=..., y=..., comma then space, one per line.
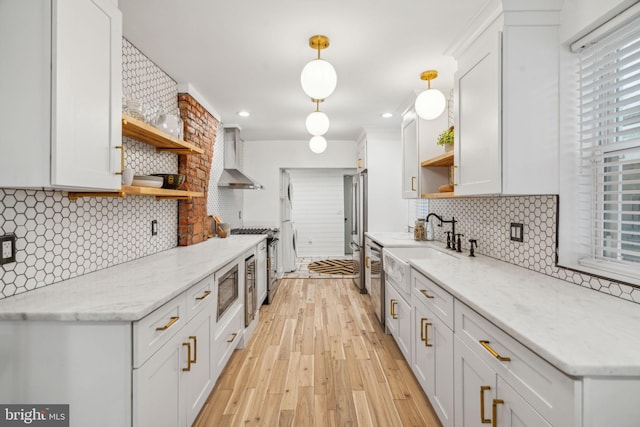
x=244, y=113
x=386, y=115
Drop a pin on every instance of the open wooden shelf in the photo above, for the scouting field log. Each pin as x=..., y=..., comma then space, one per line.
x=437, y=195
x=141, y=131
x=445, y=159
x=159, y=193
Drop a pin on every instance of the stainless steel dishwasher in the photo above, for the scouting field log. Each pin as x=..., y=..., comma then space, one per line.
x=375, y=277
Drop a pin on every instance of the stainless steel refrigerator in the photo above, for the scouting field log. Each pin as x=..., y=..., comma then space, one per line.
x=359, y=227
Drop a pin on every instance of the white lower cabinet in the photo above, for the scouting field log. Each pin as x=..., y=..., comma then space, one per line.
x=483, y=397
x=170, y=388
x=433, y=359
x=398, y=320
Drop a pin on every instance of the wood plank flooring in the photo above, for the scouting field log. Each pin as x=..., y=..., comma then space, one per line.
x=318, y=358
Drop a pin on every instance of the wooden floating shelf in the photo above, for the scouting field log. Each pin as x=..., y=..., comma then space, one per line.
x=159, y=193
x=141, y=131
x=445, y=159
x=437, y=195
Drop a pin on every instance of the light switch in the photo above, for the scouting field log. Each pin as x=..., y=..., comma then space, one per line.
x=517, y=232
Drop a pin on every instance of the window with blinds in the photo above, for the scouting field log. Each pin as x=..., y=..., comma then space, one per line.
x=609, y=103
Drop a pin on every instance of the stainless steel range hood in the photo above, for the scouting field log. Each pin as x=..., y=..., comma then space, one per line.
x=231, y=176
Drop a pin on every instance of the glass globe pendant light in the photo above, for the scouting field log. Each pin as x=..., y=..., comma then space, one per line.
x=318, y=78
x=317, y=144
x=431, y=103
x=317, y=122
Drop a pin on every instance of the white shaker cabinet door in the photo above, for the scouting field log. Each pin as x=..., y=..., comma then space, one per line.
x=157, y=388
x=410, y=162
x=86, y=94
x=478, y=135
x=200, y=378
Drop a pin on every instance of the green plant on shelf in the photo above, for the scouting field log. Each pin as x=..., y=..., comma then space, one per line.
x=446, y=137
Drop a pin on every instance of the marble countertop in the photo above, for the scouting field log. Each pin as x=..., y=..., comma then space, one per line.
x=580, y=331
x=395, y=239
x=128, y=291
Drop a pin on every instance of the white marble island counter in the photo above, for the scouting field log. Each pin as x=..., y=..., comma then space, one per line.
x=580, y=331
x=129, y=291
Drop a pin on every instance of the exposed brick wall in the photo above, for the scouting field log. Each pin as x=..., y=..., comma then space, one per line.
x=200, y=129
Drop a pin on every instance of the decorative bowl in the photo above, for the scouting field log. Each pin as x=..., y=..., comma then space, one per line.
x=171, y=181
x=147, y=181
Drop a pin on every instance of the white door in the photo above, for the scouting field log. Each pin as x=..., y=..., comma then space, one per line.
x=157, y=388
x=410, y=162
x=513, y=411
x=475, y=387
x=404, y=337
x=478, y=135
x=199, y=379
x=86, y=94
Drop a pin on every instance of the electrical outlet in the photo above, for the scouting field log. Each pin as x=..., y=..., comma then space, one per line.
x=7, y=248
x=517, y=232
x=154, y=227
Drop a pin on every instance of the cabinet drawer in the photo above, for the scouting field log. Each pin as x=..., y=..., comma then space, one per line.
x=439, y=300
x=545, y=388
x=227, y=336
x=153, y=331
x=200, y=296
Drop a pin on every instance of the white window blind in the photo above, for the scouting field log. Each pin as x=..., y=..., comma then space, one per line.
x=609, y=103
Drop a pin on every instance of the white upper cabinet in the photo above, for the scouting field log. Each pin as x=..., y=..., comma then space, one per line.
x=506, y=102
x=410, y=161
x=362, y=153
x=62, y=89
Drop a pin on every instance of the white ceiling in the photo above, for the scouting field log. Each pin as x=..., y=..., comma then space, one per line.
x=248, y=54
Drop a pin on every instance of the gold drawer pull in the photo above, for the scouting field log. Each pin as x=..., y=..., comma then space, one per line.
x=203, y=296
x=494, y=353
x=422, y=337
x=483, y=388
x=423, y=292
x=494, y=411
x=393, y=306
x=173, y=320
x=188, y=345
x=195, y=348
x=413, y=183
x=233, y=337
x=366, y=262
x=359, y=163
x=121, y=148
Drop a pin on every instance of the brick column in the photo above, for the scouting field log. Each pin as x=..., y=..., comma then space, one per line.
x=200, y=129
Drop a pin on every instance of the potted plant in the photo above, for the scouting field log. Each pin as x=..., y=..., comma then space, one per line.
x=446, y=139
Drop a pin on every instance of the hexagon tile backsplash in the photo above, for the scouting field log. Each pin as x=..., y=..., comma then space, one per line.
x=488, y=220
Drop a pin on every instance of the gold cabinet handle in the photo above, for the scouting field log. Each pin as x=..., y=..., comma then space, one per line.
x=233, y=337
x=426, y=333
x=483, y=420
x=268, y=264
x=393, y=306
x=195, y=348
x=366, y=262
x=359, y=163
x=171, y=321
x=203, y=296
x=494, y=411
x=494, y=353
x=423, y=292
x=121, y=148
x=413, y=183
x=422, y=337
x=188, y=345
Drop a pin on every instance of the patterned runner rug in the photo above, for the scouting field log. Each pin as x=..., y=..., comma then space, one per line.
x=333, y=266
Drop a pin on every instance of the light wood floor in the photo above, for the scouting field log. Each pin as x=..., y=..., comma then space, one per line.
x=318, y=358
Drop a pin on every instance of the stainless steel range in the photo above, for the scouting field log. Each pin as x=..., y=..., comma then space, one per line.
x=272, y=255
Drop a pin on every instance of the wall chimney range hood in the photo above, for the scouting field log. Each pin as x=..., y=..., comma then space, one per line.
x=231, y=176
